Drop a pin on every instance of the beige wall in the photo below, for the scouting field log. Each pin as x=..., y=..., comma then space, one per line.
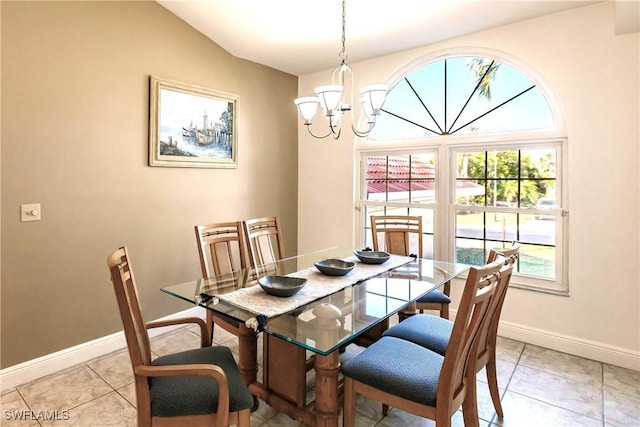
x=594, y=75
x=75, y=78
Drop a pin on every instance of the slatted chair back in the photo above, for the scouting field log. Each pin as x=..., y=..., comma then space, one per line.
x=397, y=234
x=263, y=241
x=488, y=335
x=128, y=303
x=220, y=248
x=479, y=288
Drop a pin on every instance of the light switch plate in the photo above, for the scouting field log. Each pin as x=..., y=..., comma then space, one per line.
x=30, y=212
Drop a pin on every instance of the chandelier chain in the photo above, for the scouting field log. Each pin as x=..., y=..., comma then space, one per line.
x=343, y=54
x=337, y=99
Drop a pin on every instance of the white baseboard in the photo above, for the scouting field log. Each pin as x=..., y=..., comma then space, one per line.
x=593, y=350
x=600, y=352
x=30, y=370
x=14, y=376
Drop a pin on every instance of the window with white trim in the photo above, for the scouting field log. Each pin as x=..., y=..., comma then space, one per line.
x=472, y=145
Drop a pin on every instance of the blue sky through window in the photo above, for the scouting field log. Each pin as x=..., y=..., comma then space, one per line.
x=415, y=106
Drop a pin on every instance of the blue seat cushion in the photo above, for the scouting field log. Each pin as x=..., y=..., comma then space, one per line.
x=435, y=296
x=426, y=330
x=398, y=367
x=197, y=394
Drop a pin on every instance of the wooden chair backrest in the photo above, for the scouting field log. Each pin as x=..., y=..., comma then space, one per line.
x=479, y=288
x=398, y=232
x=223, y=244
x=263, y=241
x=124, y=284
x=488, y=335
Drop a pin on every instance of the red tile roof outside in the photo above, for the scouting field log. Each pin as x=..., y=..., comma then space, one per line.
x=396, y=175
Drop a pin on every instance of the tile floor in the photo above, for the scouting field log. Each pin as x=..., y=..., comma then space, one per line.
x=541, y=387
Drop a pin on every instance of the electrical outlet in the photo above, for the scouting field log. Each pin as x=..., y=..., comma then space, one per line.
x=30, y=212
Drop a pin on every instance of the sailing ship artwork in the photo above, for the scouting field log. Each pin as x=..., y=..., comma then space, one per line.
x=195, y=126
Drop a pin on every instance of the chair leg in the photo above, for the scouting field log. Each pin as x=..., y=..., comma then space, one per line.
x=492, y=380
x=244, y=418
x=470, y=404
x=444, y=311
x=385, y=409
x=349, y=410
x=210, y=324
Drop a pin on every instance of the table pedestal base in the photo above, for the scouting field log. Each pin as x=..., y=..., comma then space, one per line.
x=324, y=412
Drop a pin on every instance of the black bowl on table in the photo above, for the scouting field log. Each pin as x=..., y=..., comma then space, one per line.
x=372, y=257
x=281, y=286
x=335, y=267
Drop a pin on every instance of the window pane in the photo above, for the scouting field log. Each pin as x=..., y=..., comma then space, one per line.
x=537, y=261
x=401, y=178
x=538, y=193
x=502, y=164
x=470, y=251
x=470, y=224
x=470, y=192
x=540, y=229
x=502, y=226
x=471, y=165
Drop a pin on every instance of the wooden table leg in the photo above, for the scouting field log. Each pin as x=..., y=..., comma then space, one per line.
x=327, y=406
x=248, y=360
x=248, y=349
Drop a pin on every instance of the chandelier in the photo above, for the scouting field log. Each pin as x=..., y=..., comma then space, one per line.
x=332, y=98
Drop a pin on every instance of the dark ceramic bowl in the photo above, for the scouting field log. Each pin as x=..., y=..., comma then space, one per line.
x=372, y=257
x=281, y=286
x=335, y=267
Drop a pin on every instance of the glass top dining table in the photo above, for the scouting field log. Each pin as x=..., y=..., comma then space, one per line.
x=330, y=321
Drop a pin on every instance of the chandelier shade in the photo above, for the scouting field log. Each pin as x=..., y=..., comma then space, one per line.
x=307, y=107
x=332, y=98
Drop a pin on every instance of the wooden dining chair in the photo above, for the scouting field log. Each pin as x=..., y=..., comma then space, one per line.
x=263, y=241
x=435, y=333
x=195, y=387
x=402, y=235
x=221, y=249
x=412, y=378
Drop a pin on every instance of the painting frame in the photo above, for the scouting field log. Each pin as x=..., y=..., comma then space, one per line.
x=181, y=134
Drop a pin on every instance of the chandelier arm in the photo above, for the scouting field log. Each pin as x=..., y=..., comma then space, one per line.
x=363, y=134
x=317, y=136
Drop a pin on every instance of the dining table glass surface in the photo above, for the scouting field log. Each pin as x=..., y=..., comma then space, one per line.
x=332, y=320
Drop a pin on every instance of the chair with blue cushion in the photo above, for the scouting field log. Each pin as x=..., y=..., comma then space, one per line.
x=412, y=378
x=195, y=387
x=402, y=235
x=434, y=333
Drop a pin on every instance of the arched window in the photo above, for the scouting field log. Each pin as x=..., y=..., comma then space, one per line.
x=473, y=145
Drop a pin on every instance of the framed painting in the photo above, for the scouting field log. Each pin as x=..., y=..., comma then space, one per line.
x=192, y=126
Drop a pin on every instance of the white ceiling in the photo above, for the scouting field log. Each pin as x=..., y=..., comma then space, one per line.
x=304, y=36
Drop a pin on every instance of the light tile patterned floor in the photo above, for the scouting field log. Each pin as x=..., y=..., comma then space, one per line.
x=540, y=387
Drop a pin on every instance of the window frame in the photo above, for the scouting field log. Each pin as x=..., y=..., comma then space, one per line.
x=444, y=207
x=559, y=285
x=446, y=145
